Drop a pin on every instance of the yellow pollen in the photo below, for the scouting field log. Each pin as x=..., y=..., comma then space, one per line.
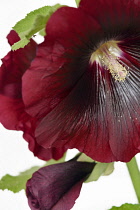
x=107, y=55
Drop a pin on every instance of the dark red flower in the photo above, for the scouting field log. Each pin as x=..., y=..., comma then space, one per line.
x=56, y=187
x=84, y=82
x=12, y=110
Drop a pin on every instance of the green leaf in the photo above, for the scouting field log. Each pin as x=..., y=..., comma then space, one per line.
x=77, y=2
x=34, y=22
x=20, y=44
x=127, y=207
x=100, y=169
x=17, y=183
x=42, y=32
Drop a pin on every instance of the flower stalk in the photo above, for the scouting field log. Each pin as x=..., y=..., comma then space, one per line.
x=135, y=176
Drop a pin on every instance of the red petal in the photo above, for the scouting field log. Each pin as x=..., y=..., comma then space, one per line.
x=113, y=14
x=49, y=73
x=13, y=67
x=15, y=63
x=97, y=118
x=36, y=94
x=75, y=27
x=12, y=37
x=12, y=110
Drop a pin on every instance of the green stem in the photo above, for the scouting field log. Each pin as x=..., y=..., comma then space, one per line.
x=135, y=176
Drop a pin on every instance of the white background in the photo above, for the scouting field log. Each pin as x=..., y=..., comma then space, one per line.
x=15, y=157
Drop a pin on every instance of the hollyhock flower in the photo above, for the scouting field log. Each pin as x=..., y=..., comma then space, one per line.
x=84, y=82
x=12, y=110
x=57, y=186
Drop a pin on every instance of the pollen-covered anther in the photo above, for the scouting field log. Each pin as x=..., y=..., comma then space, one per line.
x=107, y=56
x=117, y=70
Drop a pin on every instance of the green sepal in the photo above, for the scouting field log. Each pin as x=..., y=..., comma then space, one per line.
x=17, y=183
x=34, y=22
x=52, y=161
x=84, y=158
x=127, y=207
x=100, y=169
x=77, y=2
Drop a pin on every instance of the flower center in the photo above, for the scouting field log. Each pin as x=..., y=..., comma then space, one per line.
x=108, y=55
